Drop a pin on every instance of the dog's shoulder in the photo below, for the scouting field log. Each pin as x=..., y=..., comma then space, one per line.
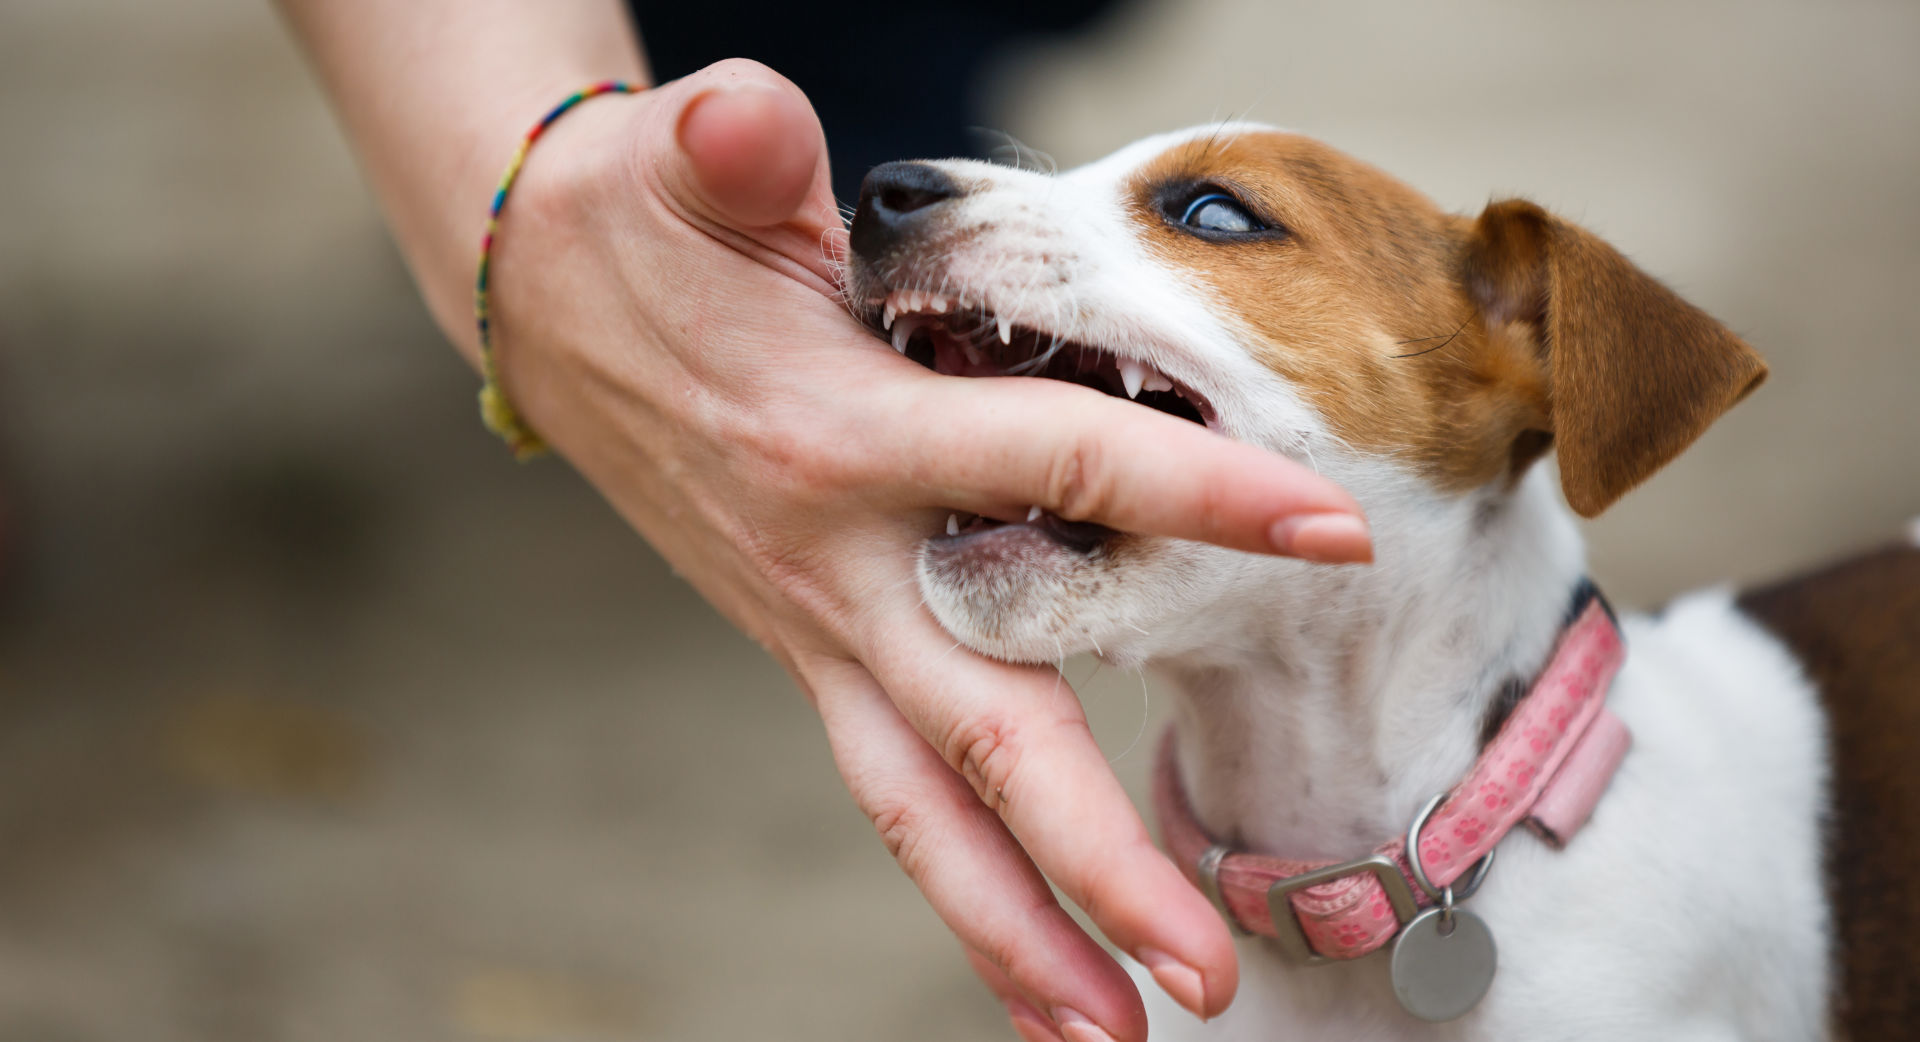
x=1855, y=628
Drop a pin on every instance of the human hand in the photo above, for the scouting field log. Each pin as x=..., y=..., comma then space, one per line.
x=666, y=318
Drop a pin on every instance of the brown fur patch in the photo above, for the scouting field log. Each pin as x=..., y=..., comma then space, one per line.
x=1856, y=629
x=1365, y=273
x=1465, y=347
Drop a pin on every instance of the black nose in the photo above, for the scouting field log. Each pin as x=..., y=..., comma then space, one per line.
x=896, y=200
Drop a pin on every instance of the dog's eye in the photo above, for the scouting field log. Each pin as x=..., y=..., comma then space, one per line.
x=1215, y=212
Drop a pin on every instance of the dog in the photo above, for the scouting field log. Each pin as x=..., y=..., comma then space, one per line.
x=1722, y=809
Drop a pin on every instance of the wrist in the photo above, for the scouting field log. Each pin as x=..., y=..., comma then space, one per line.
x=442, y=249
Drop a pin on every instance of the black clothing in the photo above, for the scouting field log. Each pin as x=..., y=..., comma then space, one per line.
x=890, y=81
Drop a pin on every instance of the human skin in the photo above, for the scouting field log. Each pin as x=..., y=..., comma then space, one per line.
x=665, y=315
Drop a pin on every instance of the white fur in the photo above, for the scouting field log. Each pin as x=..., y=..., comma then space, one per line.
x=1689, y=907
x=1319, y=707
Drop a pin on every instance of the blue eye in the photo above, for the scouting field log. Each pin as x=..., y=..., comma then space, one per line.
x=1216, y=212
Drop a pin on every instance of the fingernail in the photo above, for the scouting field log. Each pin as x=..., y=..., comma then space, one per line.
x=1031, y=1025
x=1078, y=1028
x=1325, y=538
x=1177, y=979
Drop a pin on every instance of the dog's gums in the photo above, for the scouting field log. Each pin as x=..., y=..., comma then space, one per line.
x=961, y=339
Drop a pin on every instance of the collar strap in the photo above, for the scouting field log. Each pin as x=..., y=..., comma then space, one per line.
x=1545, y=768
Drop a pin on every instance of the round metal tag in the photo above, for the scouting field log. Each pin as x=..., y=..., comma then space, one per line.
x=1440, y=976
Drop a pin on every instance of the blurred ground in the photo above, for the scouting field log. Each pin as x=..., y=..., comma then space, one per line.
x=320, y=719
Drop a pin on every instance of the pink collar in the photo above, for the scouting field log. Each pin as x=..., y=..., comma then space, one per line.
x=1546, y=768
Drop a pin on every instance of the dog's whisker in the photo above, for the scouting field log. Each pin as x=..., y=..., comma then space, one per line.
x=1091, y=673
x=1443, y=343
x=1146, y=714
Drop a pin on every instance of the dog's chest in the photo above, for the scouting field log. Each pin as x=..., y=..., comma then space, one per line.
x=1691, y=906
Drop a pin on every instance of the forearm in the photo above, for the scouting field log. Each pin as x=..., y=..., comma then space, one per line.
x=435, y=93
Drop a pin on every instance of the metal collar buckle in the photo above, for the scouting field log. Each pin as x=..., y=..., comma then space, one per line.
x=1286, y=926
x=1292, y=939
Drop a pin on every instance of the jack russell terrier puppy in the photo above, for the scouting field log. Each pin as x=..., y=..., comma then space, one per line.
x=1706, y=820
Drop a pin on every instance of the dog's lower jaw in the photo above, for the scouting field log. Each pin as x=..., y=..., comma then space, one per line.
x=1030, y=602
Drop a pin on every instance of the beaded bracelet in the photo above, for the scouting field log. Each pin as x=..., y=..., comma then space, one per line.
x=495, y=410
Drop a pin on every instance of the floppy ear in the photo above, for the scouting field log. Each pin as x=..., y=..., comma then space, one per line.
x=1634, y=373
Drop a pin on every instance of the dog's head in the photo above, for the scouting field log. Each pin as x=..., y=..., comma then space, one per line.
x=1284, y=294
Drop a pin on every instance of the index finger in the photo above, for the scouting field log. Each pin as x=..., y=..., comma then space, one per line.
x=998, y=445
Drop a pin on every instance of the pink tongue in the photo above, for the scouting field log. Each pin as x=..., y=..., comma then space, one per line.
x=950, y=357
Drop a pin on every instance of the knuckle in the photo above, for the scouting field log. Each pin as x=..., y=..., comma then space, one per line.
x=985, y=752
x=1079, y=485
x=1006, y=954
x=792, y=569
x=1016, y=956
x=1211, y=507
x=901, y=828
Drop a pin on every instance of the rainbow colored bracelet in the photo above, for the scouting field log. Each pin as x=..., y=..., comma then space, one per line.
x=495, y=410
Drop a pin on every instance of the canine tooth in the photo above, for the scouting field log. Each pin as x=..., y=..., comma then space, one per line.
x=903, y=331
x=1006, y=329
x=1133, y=374
x=1157, y=381
x=886, y=317
x=953, y=524
x=1033, y=513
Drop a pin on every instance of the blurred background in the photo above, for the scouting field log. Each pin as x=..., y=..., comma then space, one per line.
x=320, y=718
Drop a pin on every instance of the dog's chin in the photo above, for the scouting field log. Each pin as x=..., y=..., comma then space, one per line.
x=1027, y=593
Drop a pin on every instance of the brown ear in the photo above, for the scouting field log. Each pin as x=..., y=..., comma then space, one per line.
x=1634, y=373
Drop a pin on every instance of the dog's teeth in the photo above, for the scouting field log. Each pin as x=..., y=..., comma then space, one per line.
x=1033, y=513
x=886, y=316
x=973, y=355
x=953, y=524
x=1006, y=329
x=916, y=302
x=937, y=303
x=904, y=329
x=1133, y=374
x=1156, y=381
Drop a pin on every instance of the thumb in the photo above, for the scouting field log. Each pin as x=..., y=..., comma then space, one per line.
x=750, y=152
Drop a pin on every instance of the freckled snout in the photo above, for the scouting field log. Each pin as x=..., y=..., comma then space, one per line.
x=898, y=202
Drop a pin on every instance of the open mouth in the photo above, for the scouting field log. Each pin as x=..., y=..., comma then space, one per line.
x=954, y=338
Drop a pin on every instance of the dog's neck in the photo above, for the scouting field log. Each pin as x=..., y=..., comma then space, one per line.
x=1365, y=691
